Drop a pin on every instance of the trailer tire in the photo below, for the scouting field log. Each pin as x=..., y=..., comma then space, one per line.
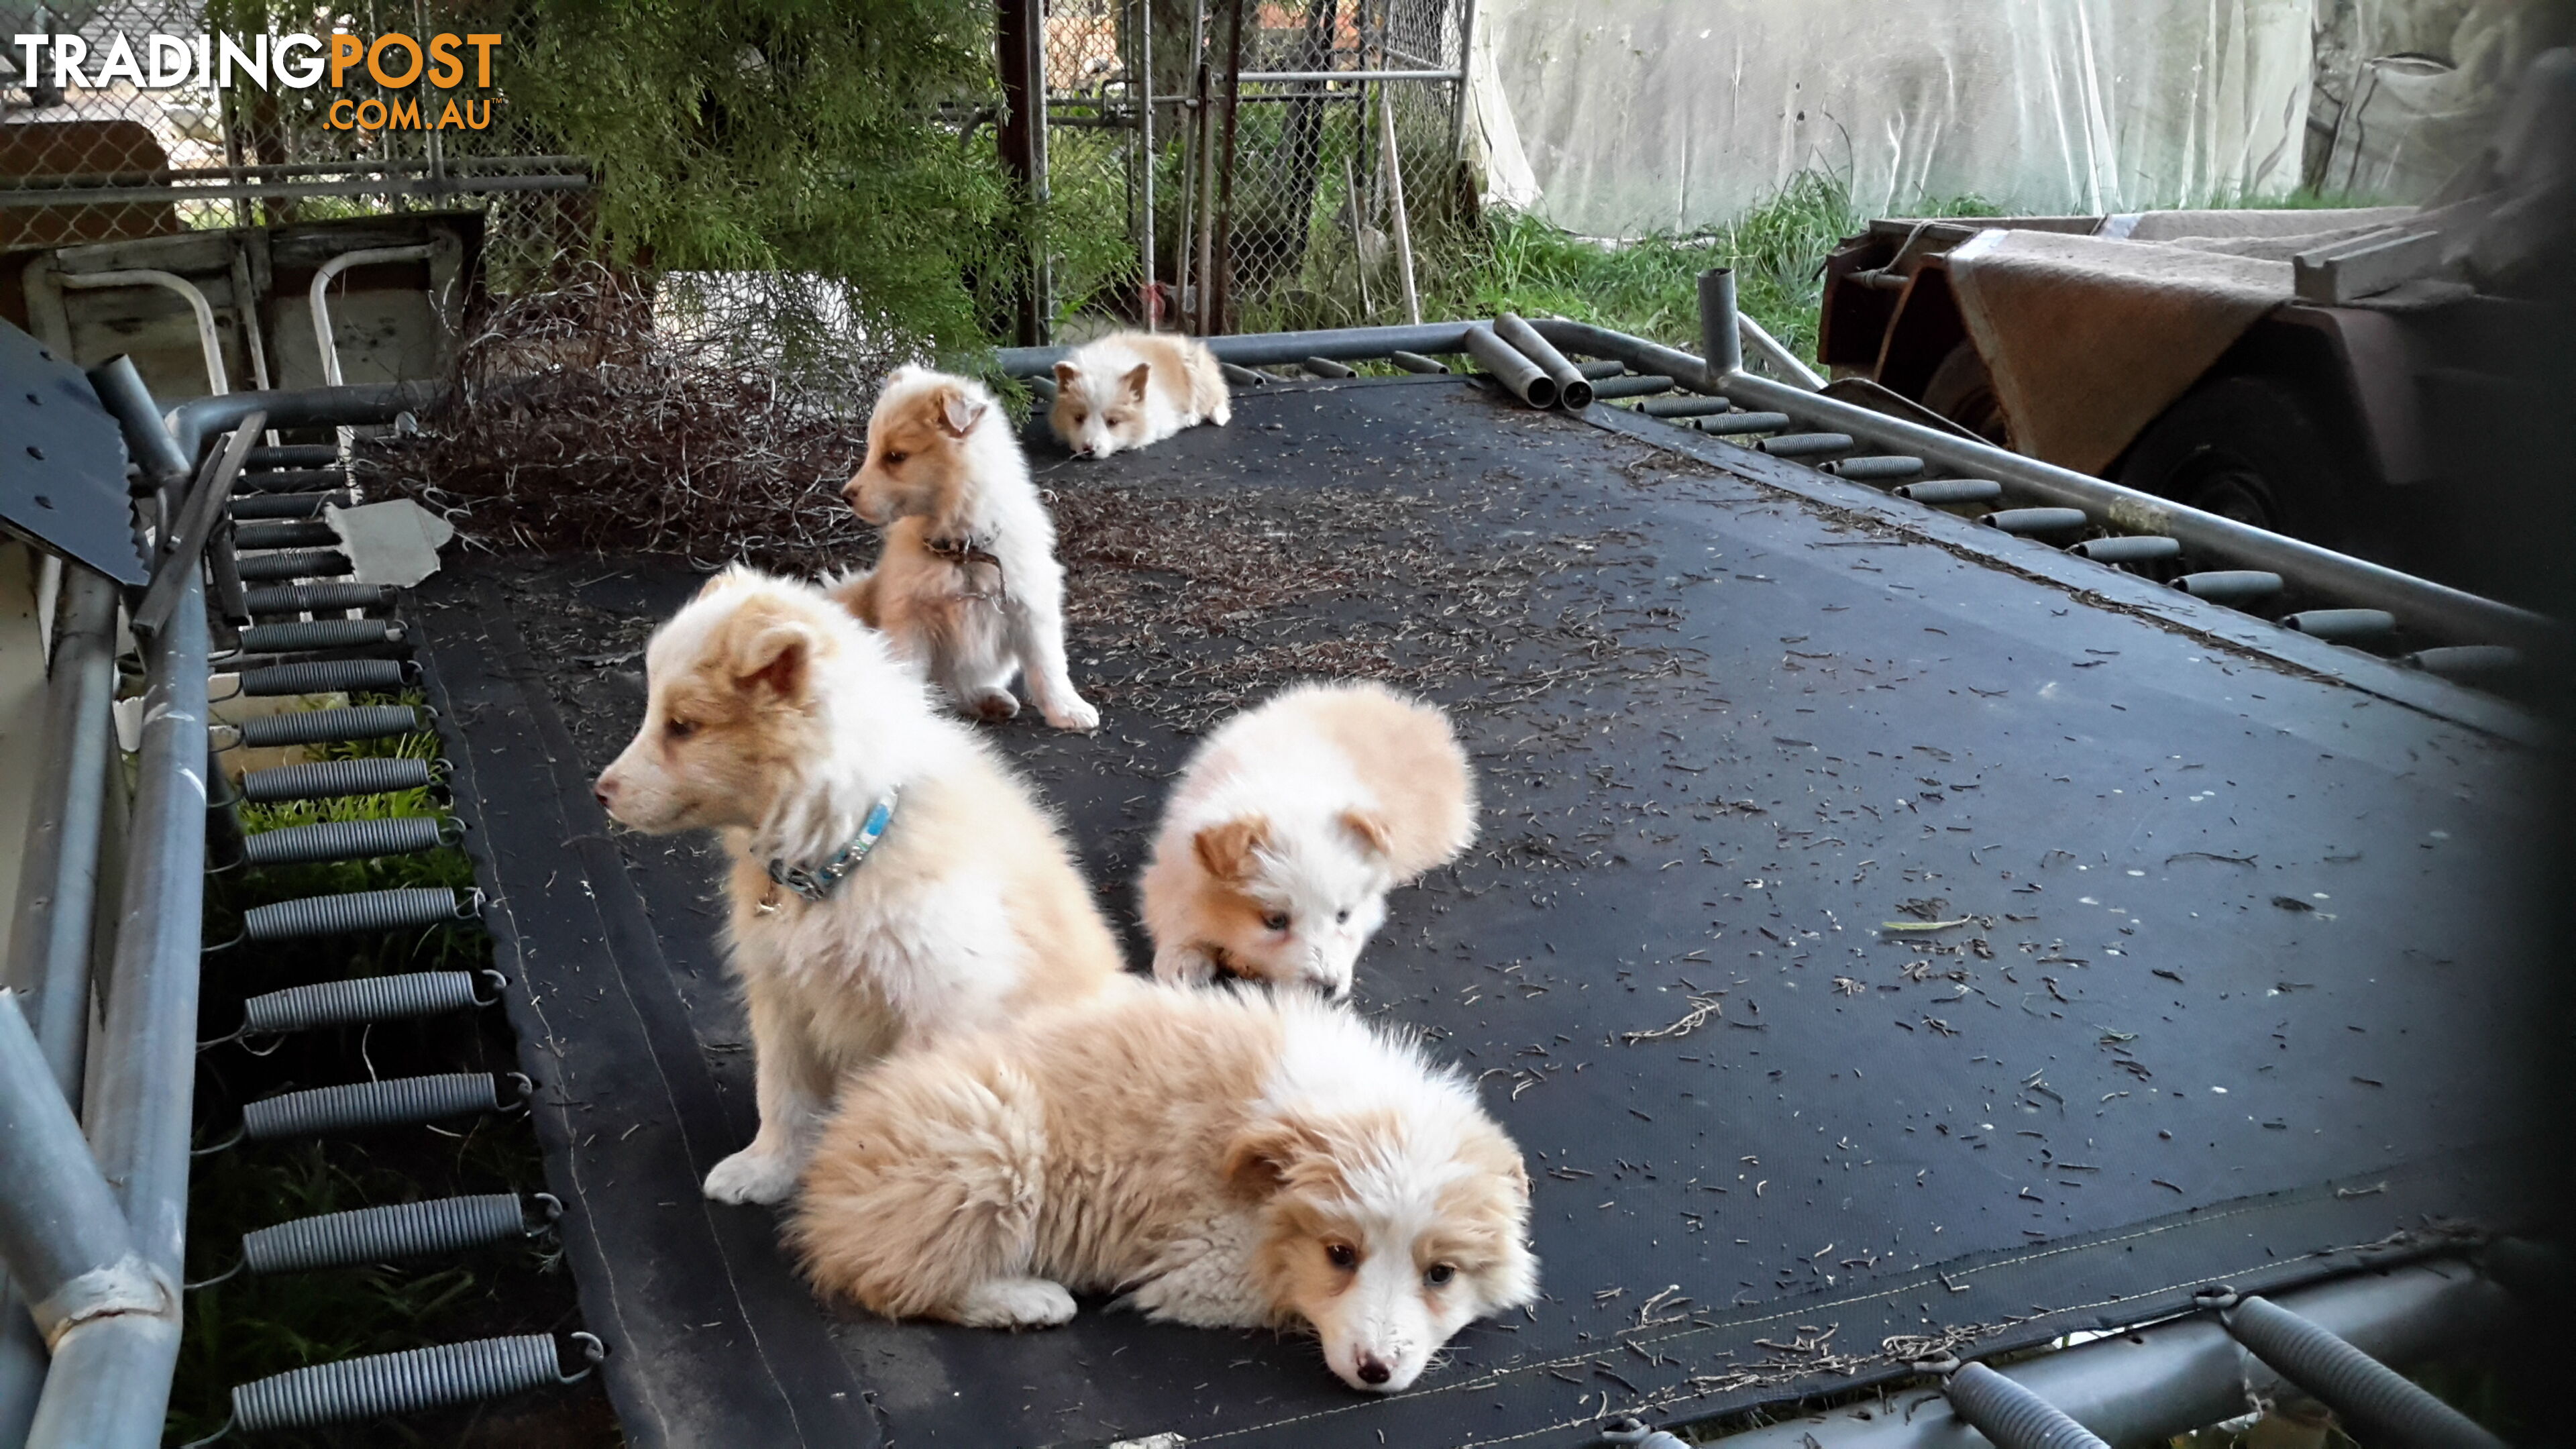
x=1962, y=389
x=2248, y=448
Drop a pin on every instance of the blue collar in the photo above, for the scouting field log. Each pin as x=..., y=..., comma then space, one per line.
x=818, y=884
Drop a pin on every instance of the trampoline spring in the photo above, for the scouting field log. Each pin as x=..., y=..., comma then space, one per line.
x=2128, y=548
x=325, y=563
x=303, y=634
x=2467, y=662
x=1729, y=424
x=296, y=455
x=1242, y=376
x=320, y=779
x=2343, y=623
x=384, y=1384
x=315, y=472
x=318, y=725
x=367, y=998
x=2036, y=520
x=1327, y=367
x=2012, y=1416
x=1806, y=445
x=383, y=1234
x=1685, y=407
x=300, y=533
x=330, y=676
x=1879, y=469
x=260, y=507
x=1598, y=369
x=1615, y=387
x=312, y=726
x=350, y=840
x=2379, y=1404
x=2230, y=586
x=1952, y=490
x=318, y=598
x=355, y=911
x=357, y=1106
x=1416, y=362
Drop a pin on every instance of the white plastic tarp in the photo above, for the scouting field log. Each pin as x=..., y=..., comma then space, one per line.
x=1621, y=117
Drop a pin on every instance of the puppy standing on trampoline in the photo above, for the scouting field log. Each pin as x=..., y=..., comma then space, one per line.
x=892, y=882
x=967, y=584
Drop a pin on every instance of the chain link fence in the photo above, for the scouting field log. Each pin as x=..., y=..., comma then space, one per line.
x=1270, y=176
x=88, y=155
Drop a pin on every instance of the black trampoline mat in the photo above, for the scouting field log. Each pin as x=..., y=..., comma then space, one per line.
x=2209, y=984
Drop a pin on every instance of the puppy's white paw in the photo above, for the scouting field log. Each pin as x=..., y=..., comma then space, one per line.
x=1184, y=966
x=750, y=1176
x=1016, y=1303
x=1076, y=714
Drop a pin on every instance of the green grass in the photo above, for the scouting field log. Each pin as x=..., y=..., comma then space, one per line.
x=1647, y=287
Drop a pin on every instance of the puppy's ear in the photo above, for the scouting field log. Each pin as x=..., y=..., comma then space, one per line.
x=1137, y=377
x=773, y=654
x=1368, y=833
x=1066, y=375
x=1226, y=850
x=1265, y=1156
x=958, y=412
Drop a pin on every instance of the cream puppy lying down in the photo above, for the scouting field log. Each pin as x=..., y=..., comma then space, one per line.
x=1290, y=825
x=1130, y=389
x=1223, y=1158
x=967, y=584
x=892, y=880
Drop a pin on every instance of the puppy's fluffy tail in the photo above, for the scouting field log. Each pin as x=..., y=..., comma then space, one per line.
x=1209, y=396
x=928, y=1182
x=856, y=592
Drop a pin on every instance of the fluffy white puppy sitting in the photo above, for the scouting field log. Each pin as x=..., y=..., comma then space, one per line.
x=1290, y=825
x=967, y=583
x=1133, y=388
x=892, y=880
x=1223, y=1158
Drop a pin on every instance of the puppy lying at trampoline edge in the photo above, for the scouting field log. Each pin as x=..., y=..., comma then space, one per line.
x=1222, y=1158
x=892, y=879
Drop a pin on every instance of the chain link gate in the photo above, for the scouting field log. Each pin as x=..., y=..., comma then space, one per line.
x=1282, y=176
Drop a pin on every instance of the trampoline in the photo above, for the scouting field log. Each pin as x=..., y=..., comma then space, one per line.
x=1887, y=935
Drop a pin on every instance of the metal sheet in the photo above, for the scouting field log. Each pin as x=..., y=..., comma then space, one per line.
x=2222, y=996
x=62, y=462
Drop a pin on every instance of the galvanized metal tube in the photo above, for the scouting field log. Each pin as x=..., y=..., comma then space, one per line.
x=193, y=421
x=2184, y=1374
x=49, y=942
x=121, y=389
x=1527, y=380
x=1573, y=389
x=110, y=1382
x=66, y=1243
x=1770, y=350
x=2425, y=607
x=1721, y=341
x=198, y=516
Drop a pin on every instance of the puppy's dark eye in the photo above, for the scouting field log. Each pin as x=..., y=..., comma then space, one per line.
x=1275, y=921
x=894, y=456
x=1080, y=418
x=1342, y=1255
x=1342, y=918
x=1438, y=1274
x=679, y=729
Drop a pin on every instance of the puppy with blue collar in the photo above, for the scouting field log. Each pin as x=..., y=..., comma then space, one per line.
x=893, y=880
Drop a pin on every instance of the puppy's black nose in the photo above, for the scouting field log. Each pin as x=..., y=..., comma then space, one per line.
x=1374, y=1370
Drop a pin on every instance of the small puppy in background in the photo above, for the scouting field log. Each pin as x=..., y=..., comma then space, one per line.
x=967, y=583
x=892, y=880
x=1130, y=389
x=1290, y=825
x=1222, y=1158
